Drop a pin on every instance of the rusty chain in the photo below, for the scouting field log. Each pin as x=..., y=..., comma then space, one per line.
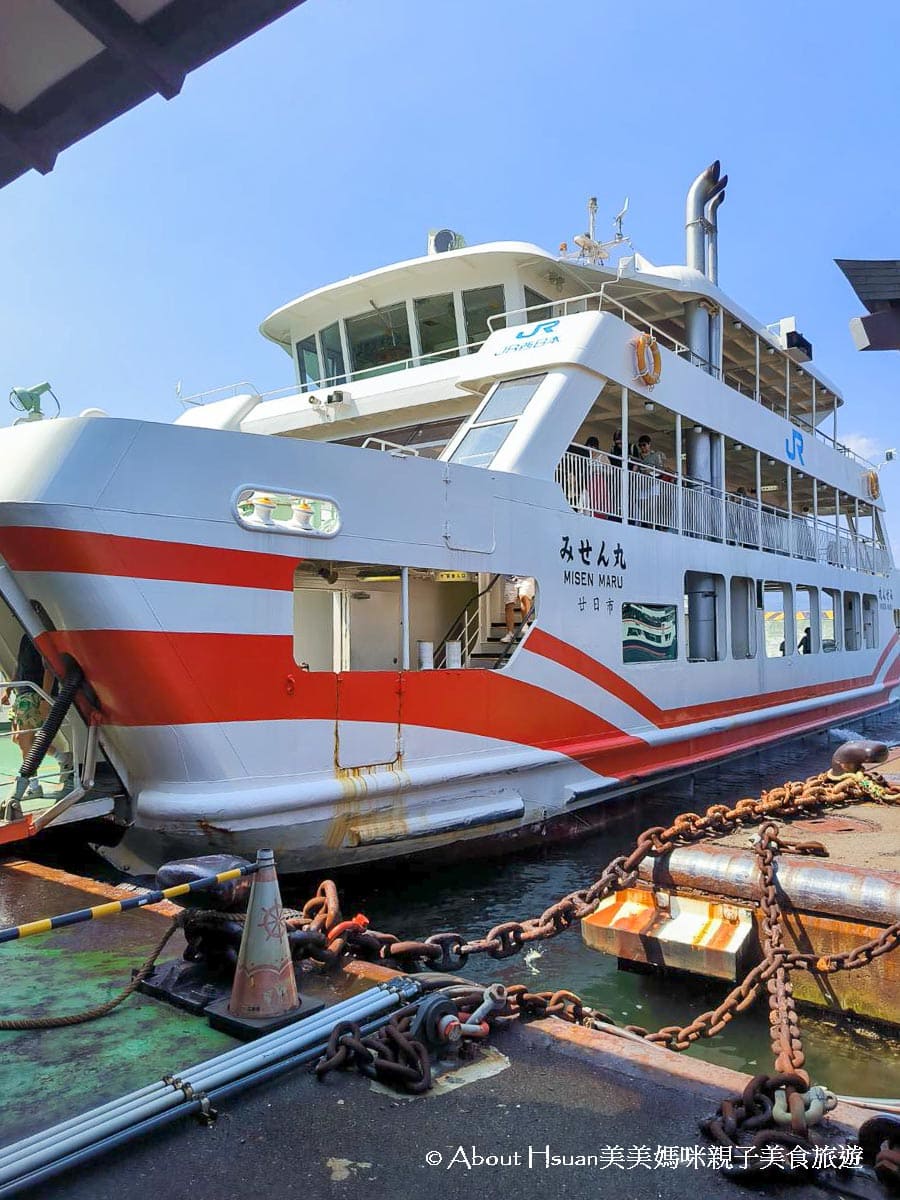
x=449, y=951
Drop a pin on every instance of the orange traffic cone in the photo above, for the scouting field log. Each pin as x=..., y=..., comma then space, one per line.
x=264, y=992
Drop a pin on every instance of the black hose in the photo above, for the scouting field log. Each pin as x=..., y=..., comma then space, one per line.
x=43, y=739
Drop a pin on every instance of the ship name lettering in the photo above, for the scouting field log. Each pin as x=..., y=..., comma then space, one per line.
x=579, y=578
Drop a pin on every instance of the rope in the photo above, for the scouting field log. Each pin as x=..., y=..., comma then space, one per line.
x=100, y=1010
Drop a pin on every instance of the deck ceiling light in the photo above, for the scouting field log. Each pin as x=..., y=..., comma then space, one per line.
x=771, y=350
x=698, y=429
x=771, y=462
x=737, y=446
x=378, y=575
x=737, y=325
x=649, y=406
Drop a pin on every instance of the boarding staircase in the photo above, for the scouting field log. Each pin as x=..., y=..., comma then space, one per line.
x=478, y=635
x=81, y=791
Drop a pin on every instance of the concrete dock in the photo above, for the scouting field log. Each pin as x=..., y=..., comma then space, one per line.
x=548, y=1108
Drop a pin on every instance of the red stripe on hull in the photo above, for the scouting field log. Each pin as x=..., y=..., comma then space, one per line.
x=550, y=647
x=152, y=678
x=27, y=548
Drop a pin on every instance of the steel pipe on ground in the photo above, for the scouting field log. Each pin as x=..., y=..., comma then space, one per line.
x=116, y=1116
x=158, y=1121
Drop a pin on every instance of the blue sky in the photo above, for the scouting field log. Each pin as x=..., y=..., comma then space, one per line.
x=332, y=141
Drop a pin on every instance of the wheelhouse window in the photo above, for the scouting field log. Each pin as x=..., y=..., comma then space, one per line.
x=378, y=339
x=492, y=425
x=509, y=398
x=538, y=307
x=436, y=322
x=308, y=363
x=479, y=304
x=649, y=633
x=332, y=354
x=481, y=443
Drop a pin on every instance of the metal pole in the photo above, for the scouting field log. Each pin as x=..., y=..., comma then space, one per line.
x=625, y=472
x=758, y=494
x=12, y=932
x=404, y=618
x=679, y=478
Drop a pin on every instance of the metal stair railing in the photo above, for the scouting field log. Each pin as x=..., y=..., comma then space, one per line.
x=465, y=629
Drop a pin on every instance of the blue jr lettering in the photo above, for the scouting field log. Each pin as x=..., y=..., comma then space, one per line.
x=794, y=449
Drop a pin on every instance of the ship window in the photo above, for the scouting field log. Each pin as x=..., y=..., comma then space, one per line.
x=743, y=618
x=478, y=305
x=308, y=363
x=831, y=621
x=704, y=597
x=481, y=443
x=509, y=398
x=870, y=622
x=851, y=621
x=538, y=306
x=779, y=619
x=378, y=339
x=286, y=512
x=332, y=354
x=436, y=320
x=806, y=604
x=649, y=633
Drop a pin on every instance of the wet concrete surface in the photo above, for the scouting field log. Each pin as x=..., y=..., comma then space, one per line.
x=346, y=1136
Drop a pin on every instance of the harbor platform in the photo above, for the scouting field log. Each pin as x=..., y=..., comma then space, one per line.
x=547, y=1108
x=695, y=908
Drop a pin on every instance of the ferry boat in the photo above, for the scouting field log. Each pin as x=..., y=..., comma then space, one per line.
x=290, y=609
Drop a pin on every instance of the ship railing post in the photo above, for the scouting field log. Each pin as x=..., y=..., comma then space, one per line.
x=626, y=511
x=679, y=478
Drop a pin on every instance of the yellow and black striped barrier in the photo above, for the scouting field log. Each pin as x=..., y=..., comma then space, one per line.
x=110, y=909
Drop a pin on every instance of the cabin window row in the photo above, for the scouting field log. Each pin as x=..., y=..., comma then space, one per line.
x=749, y=618
x=394, y=336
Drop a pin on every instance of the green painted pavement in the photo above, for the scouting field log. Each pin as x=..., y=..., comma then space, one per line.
x=50, y=1075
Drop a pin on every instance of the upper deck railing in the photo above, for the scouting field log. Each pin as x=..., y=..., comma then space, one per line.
x=657, y=500
x=602, y=301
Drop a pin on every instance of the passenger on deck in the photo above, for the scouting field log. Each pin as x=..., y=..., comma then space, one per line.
x=615, y=450
x=805, y=643
x=516, y=589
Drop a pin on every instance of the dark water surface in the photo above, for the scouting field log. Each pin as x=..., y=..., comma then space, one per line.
x=847, y=1056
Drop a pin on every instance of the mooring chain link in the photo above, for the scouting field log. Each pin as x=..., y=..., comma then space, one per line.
x=449, y=951
x=389, y=1054
x=787, y=1045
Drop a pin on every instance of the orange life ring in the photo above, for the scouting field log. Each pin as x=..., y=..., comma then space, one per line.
x=648, y=364
x=873, y=483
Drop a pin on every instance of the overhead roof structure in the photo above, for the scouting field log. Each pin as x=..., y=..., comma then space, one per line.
x=67, y=67
x=877, y=284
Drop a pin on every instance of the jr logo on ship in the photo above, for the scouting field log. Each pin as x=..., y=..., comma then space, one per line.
x=541, y=327
x=541, y=334
x=794, y=448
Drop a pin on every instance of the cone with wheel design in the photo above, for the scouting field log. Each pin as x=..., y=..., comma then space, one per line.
x=264, y=993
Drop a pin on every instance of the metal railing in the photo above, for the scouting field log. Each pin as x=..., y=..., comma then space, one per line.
x=593, y=486
x=69, y=783
x=466, y=629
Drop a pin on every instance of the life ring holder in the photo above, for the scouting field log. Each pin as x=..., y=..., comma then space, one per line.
x=648, y=363
x=873, y=484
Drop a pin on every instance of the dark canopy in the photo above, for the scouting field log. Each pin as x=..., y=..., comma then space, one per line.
x=67, y=67
x=877, y=284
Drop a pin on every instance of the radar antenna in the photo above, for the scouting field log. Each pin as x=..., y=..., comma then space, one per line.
x=589, y=249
